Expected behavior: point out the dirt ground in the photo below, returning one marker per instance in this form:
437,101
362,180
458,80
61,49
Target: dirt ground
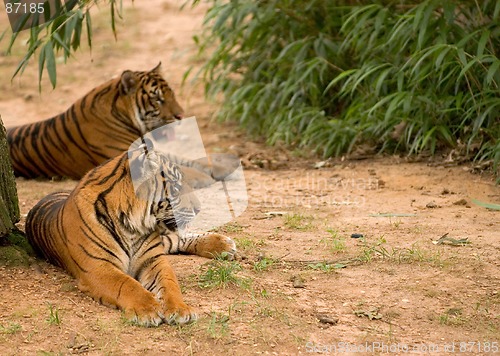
301,283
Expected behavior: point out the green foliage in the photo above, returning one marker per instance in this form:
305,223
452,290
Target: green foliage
218,326
53,318
297,221
334,242
220,273
325,74
61,35
325,267
263,264
11,329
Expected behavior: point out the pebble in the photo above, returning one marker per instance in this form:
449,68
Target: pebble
326,319
431,205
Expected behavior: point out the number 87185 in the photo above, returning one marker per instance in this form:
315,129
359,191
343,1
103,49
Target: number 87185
24,8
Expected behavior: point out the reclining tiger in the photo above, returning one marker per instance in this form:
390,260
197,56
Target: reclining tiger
99,126
113,235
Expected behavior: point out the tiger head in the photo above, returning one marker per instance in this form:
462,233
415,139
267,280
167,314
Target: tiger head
160,182
152,99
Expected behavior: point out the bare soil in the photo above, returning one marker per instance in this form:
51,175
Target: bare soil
305,285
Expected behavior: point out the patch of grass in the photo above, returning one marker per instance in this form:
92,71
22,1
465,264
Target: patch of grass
232,227
298,222
187,329
53,318
334,242
11,329
218,325
263,264
396,223
325,267
299,340
221,273
369,250
264,308
248,243
264,293
411,254
244,243
452,317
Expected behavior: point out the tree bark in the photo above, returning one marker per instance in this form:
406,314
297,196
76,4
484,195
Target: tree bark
9,204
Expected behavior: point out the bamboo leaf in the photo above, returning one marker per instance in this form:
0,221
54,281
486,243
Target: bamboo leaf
41,65
485,36
490,206
493,73
443,51
113,22
88,21
339,78
51,63
77,32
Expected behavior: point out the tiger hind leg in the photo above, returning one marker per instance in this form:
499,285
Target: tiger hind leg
209,245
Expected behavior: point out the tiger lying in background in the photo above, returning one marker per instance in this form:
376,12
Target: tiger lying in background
99,126
114,240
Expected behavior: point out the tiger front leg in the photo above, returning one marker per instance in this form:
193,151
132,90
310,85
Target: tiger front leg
112,287
158,277
209,245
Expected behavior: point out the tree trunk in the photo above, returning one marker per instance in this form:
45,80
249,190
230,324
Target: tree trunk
9,204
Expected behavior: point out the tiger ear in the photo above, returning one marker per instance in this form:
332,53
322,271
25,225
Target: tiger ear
128,82
157,69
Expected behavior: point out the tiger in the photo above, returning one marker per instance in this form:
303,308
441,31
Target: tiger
99,126
113,234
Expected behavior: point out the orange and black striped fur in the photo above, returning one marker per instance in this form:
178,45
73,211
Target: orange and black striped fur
113,235
99,126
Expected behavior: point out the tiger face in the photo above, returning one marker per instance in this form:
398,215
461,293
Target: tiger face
153,99
161,182
179,206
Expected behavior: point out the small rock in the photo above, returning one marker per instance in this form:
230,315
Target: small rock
326,319
298,281
460,202
445,191
431,205
323,164
356,236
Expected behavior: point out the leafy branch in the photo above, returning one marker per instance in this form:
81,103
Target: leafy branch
328,75
63,33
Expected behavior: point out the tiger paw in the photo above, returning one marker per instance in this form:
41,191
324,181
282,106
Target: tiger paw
217,245
180,314
148,316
